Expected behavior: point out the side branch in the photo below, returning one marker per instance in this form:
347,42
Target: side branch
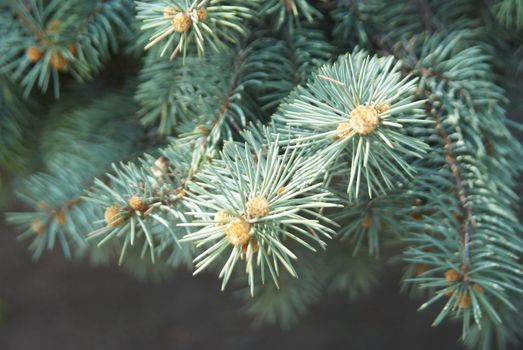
467,220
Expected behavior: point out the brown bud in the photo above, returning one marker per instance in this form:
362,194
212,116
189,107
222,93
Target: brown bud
364,120
344,129
421,268
160,167
365,224
60,217
137,203
181,22
222,217
383,107
257,207
72,49
58,61
114,216
169,11
477,288
38,226
34,54
201,14
463,301
238,232
452,276
254,245
416,216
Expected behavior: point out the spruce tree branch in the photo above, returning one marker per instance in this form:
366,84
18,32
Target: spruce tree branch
467,220
96,9
40,34
426,14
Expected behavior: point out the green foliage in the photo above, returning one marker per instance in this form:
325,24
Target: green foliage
403,147
282,64
356,21
42,39
363,224
159,97
14,118
501,337
92,134
386,24
145,202
465,229
187,26
206,97
255,199
351,274
286,303
288,11
59,214
510,13
365,129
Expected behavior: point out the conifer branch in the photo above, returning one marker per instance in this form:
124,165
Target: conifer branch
58,213
192,26
354,111
255,199
288,12
510,13
406,146
468,279
42,41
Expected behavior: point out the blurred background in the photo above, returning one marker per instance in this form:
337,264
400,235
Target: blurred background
57,304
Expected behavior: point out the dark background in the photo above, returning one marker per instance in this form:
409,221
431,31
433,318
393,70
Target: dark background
54,304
